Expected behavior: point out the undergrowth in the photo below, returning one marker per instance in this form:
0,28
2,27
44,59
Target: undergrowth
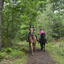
14,53
56,50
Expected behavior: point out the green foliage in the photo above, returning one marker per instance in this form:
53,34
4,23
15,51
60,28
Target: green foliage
6,42
17,16
3,50
9,50
51,22
16,53
57,29
2,55
56,50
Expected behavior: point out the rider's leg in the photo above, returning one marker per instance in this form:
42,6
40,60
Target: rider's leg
28,37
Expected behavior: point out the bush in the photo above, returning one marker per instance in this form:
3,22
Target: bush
6,42
3,50
2,55
9,50
16,54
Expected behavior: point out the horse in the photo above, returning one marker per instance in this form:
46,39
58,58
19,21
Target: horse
42,41
32,41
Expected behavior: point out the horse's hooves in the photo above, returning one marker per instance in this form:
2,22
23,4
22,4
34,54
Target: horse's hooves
32,54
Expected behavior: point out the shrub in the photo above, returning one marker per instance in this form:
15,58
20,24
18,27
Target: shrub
16,54
2,55
6,42
9,50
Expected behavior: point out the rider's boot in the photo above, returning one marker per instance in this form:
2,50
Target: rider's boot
28,38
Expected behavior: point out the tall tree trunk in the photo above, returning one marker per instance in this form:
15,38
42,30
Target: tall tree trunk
1,4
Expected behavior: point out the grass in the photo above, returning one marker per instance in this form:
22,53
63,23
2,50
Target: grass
23,60
56,51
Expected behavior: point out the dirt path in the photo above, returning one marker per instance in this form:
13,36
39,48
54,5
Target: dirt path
40,57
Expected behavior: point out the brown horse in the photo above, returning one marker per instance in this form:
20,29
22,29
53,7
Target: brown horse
32,41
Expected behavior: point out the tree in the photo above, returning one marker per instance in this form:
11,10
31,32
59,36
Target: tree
1,5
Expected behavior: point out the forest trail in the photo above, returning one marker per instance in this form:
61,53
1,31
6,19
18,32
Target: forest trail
40,57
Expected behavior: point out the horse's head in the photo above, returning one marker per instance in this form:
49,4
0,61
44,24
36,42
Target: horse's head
32,31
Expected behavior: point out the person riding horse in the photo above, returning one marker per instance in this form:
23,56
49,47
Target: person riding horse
44,35
31,26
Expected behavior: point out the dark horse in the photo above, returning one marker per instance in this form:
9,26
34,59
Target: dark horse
42,41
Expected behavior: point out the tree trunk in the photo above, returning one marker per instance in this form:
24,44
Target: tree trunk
1,4
0,29
0,21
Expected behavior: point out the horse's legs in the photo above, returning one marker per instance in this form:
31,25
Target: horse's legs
29,46
44,47
41,46
32,48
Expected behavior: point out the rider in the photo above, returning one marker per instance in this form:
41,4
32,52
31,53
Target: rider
44,35
31,26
